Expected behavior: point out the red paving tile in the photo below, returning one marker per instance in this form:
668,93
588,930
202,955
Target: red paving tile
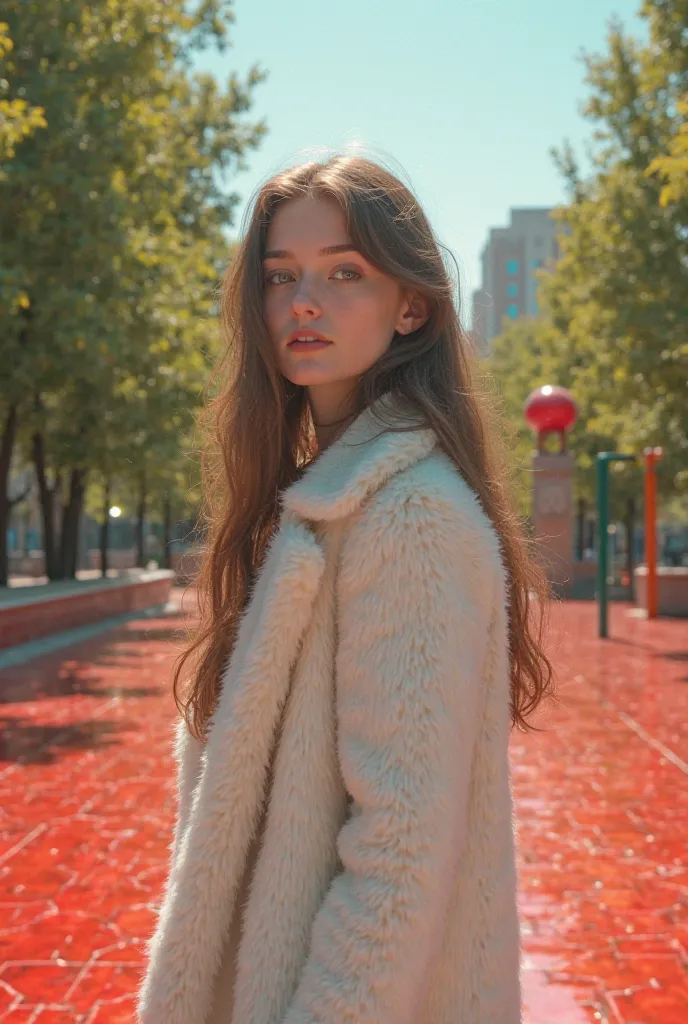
87,803
602,804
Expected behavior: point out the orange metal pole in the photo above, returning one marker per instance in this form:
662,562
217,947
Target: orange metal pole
652,456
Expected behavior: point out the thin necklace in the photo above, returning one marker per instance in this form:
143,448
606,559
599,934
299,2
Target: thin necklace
334,429
334,423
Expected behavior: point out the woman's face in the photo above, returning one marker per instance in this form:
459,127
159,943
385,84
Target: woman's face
317,287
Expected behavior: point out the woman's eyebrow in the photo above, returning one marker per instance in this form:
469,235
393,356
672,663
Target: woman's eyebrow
329,250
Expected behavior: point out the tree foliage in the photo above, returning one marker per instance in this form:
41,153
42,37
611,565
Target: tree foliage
113,222
527,355
673,167
617,297
614,325
17,118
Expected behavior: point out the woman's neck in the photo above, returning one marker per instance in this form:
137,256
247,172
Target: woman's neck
327,433
332,410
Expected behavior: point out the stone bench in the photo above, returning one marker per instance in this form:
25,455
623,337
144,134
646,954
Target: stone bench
672,589
31,612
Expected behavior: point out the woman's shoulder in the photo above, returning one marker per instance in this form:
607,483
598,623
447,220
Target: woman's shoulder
433,496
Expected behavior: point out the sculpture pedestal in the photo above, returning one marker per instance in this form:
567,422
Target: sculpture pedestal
553,515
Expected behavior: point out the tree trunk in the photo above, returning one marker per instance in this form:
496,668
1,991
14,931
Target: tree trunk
166,531
580,529
630,541
47,495
104,532
9,435
69,541
141,523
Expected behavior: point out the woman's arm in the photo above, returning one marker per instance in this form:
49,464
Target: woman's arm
415,604
187,755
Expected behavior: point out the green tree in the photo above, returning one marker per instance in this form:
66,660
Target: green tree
673,167
18,119
112,226
527,355
517,364
617,297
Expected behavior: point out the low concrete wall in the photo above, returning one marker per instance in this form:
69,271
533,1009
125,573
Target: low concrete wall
672,589
30,613
34,564
27,565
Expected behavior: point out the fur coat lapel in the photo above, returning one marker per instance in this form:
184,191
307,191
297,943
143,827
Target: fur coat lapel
224,808
222,784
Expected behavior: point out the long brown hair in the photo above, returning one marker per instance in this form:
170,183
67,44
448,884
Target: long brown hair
260,434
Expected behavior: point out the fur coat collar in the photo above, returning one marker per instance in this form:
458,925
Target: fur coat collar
364,458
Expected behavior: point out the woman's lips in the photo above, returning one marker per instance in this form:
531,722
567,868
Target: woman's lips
308,346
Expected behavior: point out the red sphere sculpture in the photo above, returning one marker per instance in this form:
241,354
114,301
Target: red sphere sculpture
550,409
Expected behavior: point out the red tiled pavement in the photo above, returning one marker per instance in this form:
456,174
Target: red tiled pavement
602,804
87,800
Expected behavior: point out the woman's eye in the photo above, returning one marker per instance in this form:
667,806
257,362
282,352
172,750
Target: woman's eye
278,277
270,279
347,270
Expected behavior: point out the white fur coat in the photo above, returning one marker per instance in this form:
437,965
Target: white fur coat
375,641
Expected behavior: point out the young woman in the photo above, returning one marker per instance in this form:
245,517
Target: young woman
344,852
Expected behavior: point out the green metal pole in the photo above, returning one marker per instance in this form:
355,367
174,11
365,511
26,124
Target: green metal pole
603,460
602,538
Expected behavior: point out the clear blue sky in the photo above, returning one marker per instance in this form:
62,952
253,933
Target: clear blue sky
466,97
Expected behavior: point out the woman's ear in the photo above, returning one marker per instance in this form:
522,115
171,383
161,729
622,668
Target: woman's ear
414,313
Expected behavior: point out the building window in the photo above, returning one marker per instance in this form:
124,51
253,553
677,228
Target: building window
534,308
512,290
512,267
535,264
538,241
512,310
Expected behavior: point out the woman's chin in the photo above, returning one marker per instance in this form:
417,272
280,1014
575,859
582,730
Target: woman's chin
309,376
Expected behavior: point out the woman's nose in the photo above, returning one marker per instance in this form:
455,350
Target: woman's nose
305,299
